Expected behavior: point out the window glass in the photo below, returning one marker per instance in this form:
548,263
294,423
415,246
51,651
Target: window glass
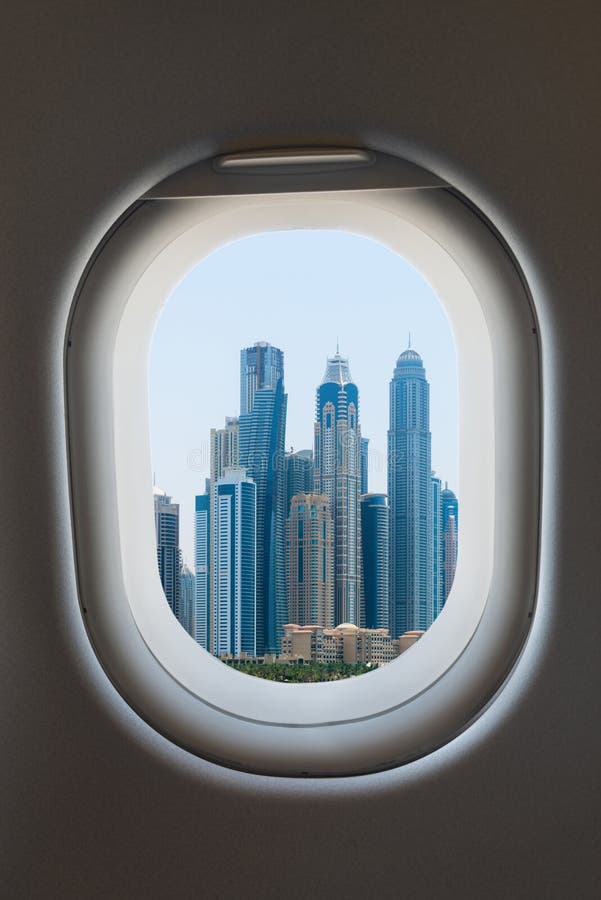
303,400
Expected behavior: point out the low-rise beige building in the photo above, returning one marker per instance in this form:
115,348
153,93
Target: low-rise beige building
346,643
408,639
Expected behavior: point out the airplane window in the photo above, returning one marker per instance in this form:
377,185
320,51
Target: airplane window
293,498
303,471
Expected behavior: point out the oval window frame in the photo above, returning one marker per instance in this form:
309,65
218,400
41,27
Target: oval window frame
437,687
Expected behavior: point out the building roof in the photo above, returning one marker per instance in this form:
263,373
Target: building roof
409,356
337,371
447,494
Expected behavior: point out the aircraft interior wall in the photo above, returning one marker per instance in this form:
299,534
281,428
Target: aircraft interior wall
102,101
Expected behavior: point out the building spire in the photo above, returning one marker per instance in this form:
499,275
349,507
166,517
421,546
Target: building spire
337,370
337,347
409,344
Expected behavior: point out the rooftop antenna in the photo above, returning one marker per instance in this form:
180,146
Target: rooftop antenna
337,347
409,347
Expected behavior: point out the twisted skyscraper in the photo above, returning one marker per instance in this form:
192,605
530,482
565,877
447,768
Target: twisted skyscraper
261,451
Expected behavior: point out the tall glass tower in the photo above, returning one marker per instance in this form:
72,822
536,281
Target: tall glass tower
234,521
364,465
338,476
410,495
202,563
224,448
437,573
261,451
224,454
299,474
261,366
310,539
166,521
375,531
450,539
188,600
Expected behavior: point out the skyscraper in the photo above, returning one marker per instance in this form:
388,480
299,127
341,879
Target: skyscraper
375,528
299,474
234,569
261,366
223,455
338,476
202,562
188,600
166,521
364,465
261,450
450,540
310,556
437,573
224,447
410,496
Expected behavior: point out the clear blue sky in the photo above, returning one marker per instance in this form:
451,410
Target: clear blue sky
299,290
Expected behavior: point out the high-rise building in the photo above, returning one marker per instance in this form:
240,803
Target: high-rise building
299,474
261,451
261,366
364,465
223,455
410,496
437,573
375,527
166,521
310,561
188,600
450,540
234,569
338,476
224,448
202,563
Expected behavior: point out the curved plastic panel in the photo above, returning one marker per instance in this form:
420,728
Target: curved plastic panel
290,171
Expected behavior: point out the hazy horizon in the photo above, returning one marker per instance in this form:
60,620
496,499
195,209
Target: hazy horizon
302,291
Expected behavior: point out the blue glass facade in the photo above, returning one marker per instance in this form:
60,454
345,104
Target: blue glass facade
261,366
166,520
187,616
375,529
299,474
450,540
364,465
261,451
234,565
410,496
437,573
202,610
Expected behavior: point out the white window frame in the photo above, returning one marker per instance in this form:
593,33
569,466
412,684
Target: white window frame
434,689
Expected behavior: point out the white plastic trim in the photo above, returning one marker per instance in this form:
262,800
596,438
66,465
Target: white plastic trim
434,689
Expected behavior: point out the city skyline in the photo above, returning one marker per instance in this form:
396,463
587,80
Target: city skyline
305,289
295,537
